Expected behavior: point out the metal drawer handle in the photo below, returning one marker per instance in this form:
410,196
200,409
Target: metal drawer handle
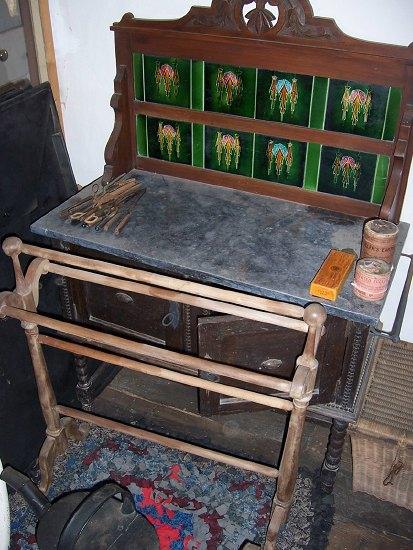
171,319
168,320
124,298
270,364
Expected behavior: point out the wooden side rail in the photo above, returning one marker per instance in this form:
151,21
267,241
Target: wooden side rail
21,304
181,297
168,442
188,287
123,345
166,374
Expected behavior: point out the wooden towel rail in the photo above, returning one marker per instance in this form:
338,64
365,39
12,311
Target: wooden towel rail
293,396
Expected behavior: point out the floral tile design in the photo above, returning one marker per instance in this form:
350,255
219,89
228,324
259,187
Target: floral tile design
284,97
279,160
230,89
302,100
228,151
347,173
169,140
362,109
167,80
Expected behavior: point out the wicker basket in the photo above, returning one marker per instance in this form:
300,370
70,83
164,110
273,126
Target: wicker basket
383,462
382,438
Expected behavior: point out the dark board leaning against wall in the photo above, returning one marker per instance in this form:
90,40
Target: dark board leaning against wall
36,176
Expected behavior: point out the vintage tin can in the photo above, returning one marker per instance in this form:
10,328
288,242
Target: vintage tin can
371,279
379,240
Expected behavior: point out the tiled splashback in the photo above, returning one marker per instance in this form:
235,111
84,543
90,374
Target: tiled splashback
314,102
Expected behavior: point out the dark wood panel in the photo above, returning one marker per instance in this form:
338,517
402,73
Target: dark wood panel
268,349
373,69
296,25
142,316
266,127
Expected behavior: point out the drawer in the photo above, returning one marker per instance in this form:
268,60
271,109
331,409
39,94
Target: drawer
144,317
268,349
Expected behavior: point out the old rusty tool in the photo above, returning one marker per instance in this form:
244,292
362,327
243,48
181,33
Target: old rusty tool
110,222
111,207
123,222
67,211
127,211
110,215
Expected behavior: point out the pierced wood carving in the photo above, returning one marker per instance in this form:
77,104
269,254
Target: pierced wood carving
295,18
220,15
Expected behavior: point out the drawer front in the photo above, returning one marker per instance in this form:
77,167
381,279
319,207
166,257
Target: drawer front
256,346
268,349
146,318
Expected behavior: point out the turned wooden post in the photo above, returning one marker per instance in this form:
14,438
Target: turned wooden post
332,458
301,391
45,390
25,297
287,476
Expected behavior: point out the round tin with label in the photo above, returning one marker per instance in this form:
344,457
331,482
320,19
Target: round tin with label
379,240
371,279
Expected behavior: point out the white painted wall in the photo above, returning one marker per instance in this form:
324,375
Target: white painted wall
86,67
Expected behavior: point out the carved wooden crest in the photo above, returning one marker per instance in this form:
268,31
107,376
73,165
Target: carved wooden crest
295,18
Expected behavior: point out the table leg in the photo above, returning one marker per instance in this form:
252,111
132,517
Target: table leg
333,454
83,387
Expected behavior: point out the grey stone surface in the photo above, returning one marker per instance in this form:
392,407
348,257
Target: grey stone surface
229,238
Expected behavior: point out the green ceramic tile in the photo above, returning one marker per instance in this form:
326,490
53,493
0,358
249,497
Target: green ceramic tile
169,140
393,113
228,151
318,108
356,108
197,85
380,179
138,75
230,89
312,165
198,145
279,160
167,80
319,102
284,97
141,136
347,173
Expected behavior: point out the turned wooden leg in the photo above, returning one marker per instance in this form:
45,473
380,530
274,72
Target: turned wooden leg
332,458
57,429
287,474
83,387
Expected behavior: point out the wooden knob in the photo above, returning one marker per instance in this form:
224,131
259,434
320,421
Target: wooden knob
12,246
315,315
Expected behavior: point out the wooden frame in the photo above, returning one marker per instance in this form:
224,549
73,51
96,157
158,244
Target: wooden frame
298,42
49,52
30,42
294,397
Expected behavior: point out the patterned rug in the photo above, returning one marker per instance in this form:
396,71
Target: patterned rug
193,503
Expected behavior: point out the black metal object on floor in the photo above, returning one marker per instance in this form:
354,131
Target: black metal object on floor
85,519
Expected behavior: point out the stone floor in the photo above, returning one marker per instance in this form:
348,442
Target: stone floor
361,522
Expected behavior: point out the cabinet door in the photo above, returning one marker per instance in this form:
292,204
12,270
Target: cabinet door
268,349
